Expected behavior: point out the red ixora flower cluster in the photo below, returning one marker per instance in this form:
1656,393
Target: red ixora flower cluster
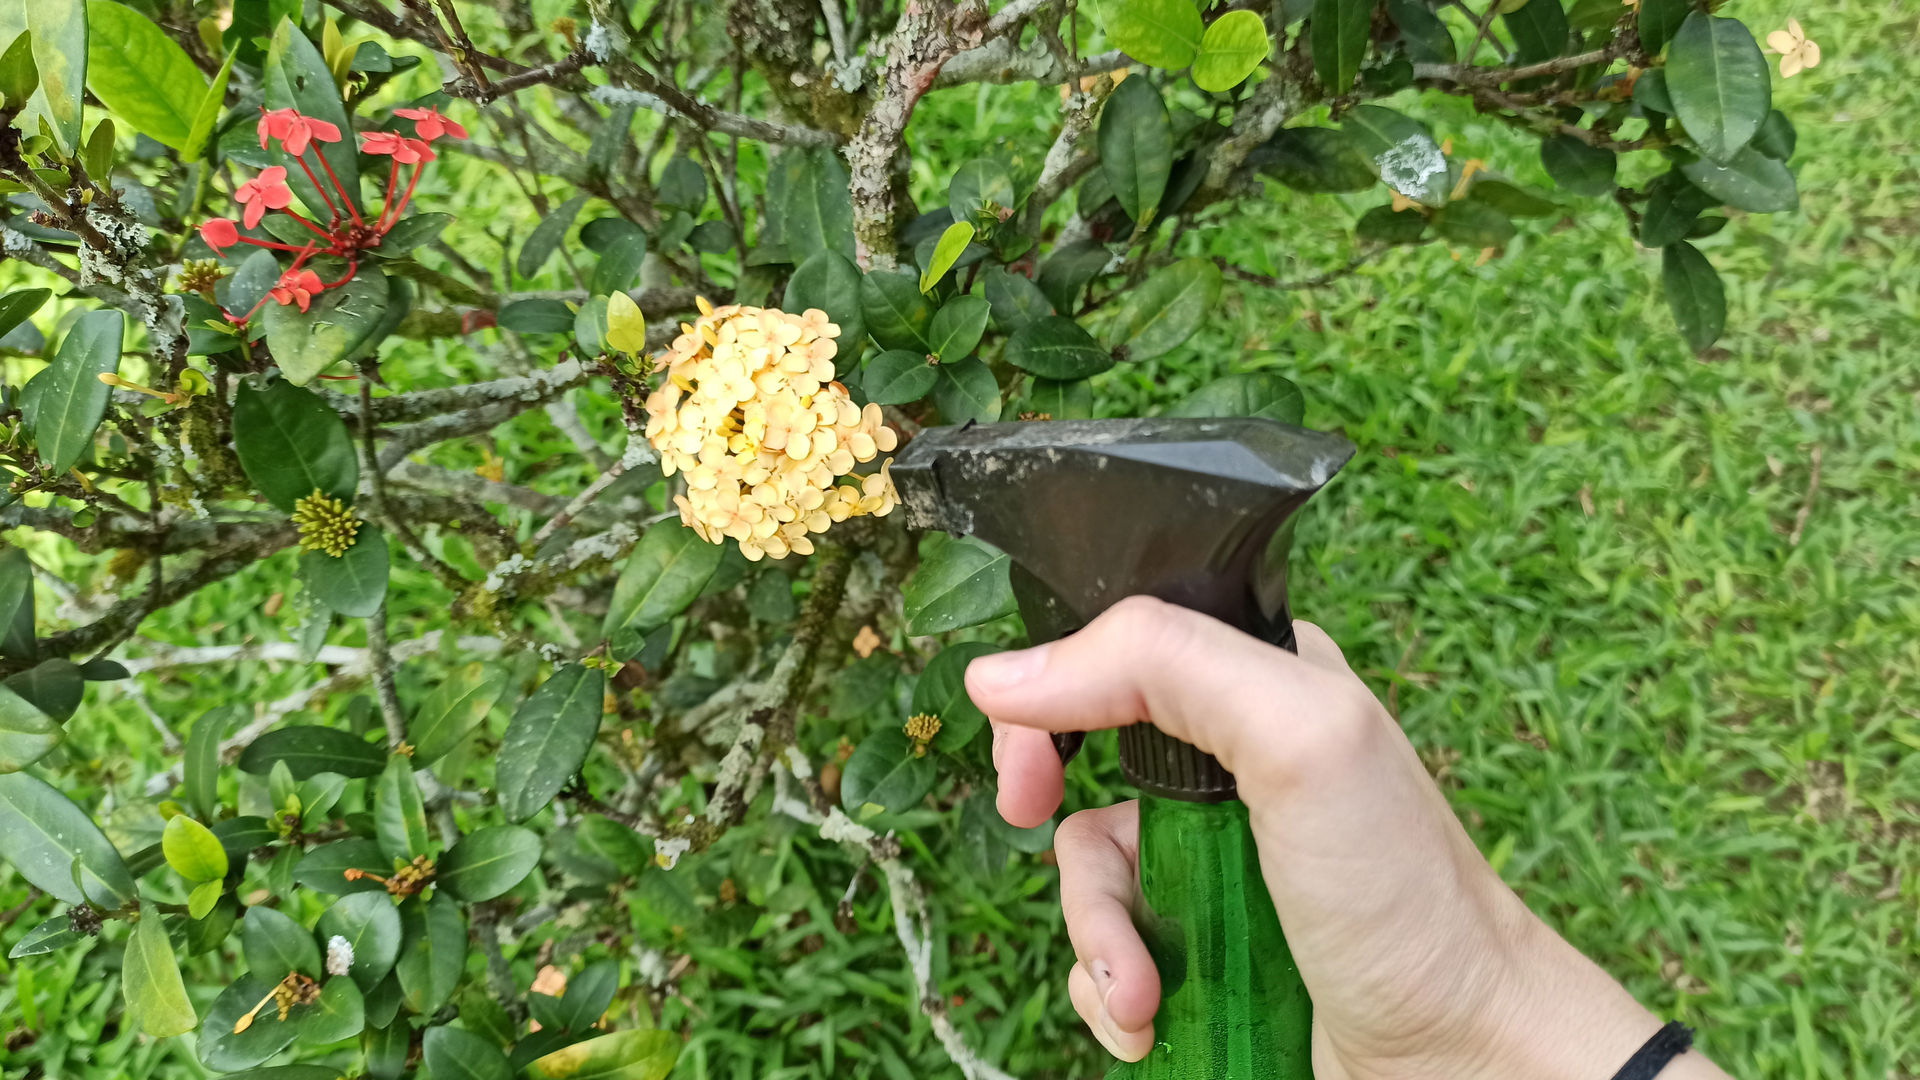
347,233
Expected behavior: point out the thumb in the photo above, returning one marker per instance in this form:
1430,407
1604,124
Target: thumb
1194,677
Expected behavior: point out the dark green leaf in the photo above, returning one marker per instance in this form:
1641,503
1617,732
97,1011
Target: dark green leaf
399,814
961,583
1252,393
201,768
1776,139
1706,226
1385,225
536,317
1719,83
454,1054
829,281
274,944
1473,224
1650,91
1694,294
26,733
588,995
411,232
223,1050
454,708
1672,206
140,74
965,391
897,313
372,928
339,1014
976,184
1013,298
957,326
355,583
619,264
665,573
16,605
1060,399
297,77
886,774
1161,312
308,749
624,1055
1426,37
942,692
43,834
601,234
1539,28
1159,33
489,862
339,322
15,307
1338,37
240,835
1659,21
547,236
1055,347
1403,152
1577,167
433,952
1234,46
1750,180
1509,198
65,403
150,978
683,184
323,869
291,443
1136,144
50,936
387,1048
548,739
818,212
898,376
1065,274
590,326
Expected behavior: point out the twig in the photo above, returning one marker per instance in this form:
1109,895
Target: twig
1484,76
1806,506
1317,281
382,662
656,95
638,453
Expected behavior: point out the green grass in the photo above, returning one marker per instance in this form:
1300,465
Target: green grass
1565,555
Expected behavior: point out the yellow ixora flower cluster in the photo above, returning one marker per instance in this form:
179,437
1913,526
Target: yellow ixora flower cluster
750,412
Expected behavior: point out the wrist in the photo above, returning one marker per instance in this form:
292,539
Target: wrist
1560,1017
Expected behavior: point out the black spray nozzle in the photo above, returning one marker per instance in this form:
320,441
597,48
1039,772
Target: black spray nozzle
1193,511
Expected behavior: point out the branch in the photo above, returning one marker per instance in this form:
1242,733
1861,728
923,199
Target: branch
1003,62
1473,75
381,656
656,95
1267,281
637,453
1064,162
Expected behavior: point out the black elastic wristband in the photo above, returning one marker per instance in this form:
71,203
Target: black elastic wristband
1668,1043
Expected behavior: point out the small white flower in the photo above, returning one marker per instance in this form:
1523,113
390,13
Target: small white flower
339,955
667,852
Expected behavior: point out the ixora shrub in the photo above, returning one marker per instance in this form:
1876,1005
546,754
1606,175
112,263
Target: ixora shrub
577,694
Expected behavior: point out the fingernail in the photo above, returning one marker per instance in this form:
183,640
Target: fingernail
1008,669
1125,1045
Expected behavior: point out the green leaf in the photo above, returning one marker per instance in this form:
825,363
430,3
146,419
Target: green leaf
962,583
1577,167
829,281
1650,91
976,184
15,307
454,708
548,739
59,37
453,1054
966,390
884,773
1065,274
1719,83
339,321
1694,294
1013,298
296,76
1402,151
818,211
1164,310
952,243
488,862
896,312
1136,144
141,75
898,376
1539,28
355,583
957,327
26,733
372,928
203,897
50,936
308,749
275,944
1659,20
623,1055
1426,37
150,977
207,113
223,1050
433,952
16,605
546,236
19,77
1253,393
201,766
289,1072
1316,160
590,326
240,835
43,834
192,850
536,317
340,1013
1509,198
323,868
942,692
291,443
1338,37
1750,180
411,232
1159,33
1776,139
1055,347
1235,45
665,573
588,995
620,264
1672,206
1060,399
1473,224
65,403
399,814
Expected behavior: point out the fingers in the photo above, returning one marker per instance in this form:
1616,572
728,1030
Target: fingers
1317,648
1115,986
1031,776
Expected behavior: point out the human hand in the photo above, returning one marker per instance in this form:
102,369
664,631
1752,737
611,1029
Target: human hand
1419,960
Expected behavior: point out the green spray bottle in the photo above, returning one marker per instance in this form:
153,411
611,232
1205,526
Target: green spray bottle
1197,512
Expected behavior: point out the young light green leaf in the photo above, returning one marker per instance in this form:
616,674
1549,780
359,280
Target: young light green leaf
1338,37
354,584
43,834
665,573
1166,309
957,327
643,1054
1694,294
488,862
1159,33
65,403
399,814
947,252
150,977
26,734
337,323
898,376
291,443
141,74
547,740
372,928
1055,347
454,708
59,38
202,898
274,945
962,583
1235,45
192,850
966,390
1719,83
1136,144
